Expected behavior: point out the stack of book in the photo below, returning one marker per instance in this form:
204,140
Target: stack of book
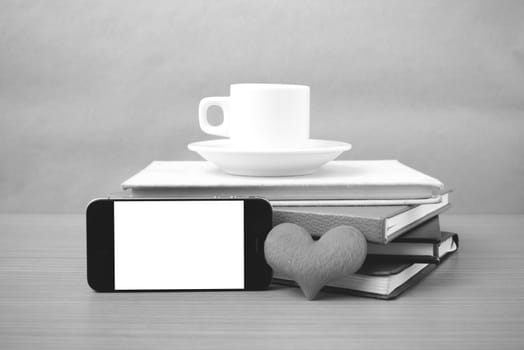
396,207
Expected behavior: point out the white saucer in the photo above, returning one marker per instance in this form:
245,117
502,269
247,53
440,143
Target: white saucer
269,162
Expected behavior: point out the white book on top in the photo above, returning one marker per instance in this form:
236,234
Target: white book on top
370,182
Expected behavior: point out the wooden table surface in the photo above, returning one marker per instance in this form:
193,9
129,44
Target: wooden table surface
473,300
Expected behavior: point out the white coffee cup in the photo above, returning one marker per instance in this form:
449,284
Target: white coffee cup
261,115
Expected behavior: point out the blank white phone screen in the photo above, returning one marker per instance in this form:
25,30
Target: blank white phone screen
179,245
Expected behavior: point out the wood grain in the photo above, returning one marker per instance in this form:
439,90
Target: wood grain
473,300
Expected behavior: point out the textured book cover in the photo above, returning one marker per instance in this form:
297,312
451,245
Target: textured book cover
380,224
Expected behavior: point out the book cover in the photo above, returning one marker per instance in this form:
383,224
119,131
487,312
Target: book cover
377,279
418,252
380,224
343,180
275,202
424,244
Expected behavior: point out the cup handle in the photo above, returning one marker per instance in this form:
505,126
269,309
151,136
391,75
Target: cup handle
221,129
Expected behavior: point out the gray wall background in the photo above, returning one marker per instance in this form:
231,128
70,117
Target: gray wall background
92,91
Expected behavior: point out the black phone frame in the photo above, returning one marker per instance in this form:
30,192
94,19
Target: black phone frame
101,246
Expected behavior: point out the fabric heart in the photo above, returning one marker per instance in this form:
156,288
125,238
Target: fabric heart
291,251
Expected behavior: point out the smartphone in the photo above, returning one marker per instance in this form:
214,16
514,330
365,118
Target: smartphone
177,244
